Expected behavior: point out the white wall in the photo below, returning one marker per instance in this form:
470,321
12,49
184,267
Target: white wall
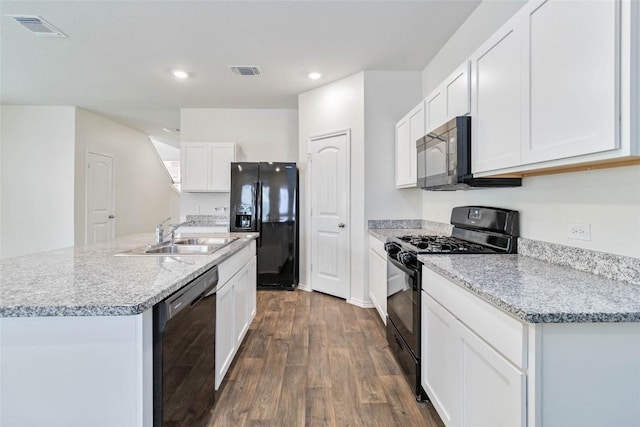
388,96
142,185
260,135
336,106
369,104
37,178
608,199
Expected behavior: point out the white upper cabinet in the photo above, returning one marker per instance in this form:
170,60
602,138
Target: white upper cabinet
206,166
496,111
450,99
572,76
436,109
556,86
409,129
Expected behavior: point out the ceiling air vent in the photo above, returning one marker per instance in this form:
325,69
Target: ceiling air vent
37,25
246,70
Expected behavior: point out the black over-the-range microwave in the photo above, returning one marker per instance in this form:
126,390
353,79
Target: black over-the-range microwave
444,159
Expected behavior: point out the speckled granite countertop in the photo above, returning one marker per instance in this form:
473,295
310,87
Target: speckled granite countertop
550,289
540,292
90,281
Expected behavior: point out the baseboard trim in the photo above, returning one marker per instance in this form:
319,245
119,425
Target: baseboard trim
360,303
304,288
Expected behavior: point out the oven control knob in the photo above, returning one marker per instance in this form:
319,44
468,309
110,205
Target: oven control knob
407,258
391,249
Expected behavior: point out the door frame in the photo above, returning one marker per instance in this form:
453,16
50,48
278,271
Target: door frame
86,192
308,200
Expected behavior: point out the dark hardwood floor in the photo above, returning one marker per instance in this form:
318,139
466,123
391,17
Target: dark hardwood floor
310,359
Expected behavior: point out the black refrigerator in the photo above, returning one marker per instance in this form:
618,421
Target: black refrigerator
264,198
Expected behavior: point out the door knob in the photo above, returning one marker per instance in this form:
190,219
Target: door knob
341,224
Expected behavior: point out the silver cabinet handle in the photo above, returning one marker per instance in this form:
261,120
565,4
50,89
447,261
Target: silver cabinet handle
341,224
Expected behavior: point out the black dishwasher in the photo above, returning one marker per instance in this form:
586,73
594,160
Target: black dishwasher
184,332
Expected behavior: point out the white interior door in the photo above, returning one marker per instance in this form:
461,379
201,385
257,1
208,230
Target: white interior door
100,198
330,213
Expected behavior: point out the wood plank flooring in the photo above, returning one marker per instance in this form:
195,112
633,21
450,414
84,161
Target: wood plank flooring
310,359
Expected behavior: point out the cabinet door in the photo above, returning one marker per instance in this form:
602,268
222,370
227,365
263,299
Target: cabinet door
493,390
241,304
195,167
221,155
435,106
457,90
496,106
409,129
441,373
572,79
225,336
378,283
252,286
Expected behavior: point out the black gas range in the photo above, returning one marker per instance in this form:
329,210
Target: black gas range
476,230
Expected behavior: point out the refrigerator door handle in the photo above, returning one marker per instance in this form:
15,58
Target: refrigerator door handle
259,211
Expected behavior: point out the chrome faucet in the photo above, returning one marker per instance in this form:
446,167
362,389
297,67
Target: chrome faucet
160,238
160,232
174,227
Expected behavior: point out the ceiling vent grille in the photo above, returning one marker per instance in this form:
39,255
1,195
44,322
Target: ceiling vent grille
37,25
246,70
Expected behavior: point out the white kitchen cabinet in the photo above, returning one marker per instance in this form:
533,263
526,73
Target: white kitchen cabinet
241,305
483,367
235,306
467,375
492,389
441,366
571,74
496,107
206,166
225,336
556,87
450,99
378,276
408,130
252,283
435,106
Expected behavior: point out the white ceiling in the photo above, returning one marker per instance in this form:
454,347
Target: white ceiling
118,55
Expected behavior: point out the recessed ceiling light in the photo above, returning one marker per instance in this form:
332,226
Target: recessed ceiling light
179,74
314,76
170,130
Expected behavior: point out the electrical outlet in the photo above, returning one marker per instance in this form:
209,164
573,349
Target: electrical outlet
579,231
194,210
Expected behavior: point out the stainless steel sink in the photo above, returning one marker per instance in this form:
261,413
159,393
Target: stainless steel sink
181,250
207,241
168,250
183,246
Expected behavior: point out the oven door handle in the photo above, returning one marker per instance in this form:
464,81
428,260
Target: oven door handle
411,272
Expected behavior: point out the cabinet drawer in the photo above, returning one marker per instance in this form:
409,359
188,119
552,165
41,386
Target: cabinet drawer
377,246
500,330
231,266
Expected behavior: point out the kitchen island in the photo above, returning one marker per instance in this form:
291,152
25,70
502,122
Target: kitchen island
76,330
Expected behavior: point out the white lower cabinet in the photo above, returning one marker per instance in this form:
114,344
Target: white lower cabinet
441,368
378,276
225,339
235,306
493,390
483,367
472,363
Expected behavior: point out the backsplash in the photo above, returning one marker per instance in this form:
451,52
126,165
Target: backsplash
209,220
395,223
616,267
